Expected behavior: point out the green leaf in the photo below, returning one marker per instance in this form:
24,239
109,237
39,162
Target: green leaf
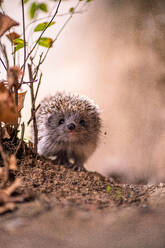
108,189
88,1
18,46
42,26
118,194
71,10
43,7
18,41
45,42
33,9
25,1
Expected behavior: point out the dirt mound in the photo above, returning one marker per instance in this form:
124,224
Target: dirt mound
63,185
86,189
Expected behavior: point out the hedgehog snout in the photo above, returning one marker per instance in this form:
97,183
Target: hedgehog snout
71,126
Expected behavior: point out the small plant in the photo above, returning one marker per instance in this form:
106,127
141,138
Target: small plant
118,194
108,189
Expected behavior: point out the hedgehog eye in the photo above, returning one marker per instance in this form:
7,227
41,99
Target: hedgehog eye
61,121
82,122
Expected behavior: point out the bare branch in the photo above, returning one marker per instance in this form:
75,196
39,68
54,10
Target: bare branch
24,37
3,49
21,140
30,82
24,82
48,16
3,64
33,110
35,113
39,83
38,66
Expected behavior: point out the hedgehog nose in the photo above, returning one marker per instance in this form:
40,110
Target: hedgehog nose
71,126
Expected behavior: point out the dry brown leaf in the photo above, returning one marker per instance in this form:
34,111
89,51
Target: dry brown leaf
1,171
13,75
6,23
21,98
20,198
12,36
3,197
9,190
10,206
5,134
8,108
13,163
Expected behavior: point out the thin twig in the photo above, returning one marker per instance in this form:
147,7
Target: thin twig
45,17
42,33
39,83
24,82
35,113
21,140
13,53
24,38
33,110
3,64
3,49
38,66
6,57
16,94
30,82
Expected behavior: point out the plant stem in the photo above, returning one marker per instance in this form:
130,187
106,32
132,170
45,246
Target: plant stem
24,38
3,49
21,140
39,82
33,110
3,64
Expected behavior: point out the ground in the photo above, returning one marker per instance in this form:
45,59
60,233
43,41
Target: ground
55,206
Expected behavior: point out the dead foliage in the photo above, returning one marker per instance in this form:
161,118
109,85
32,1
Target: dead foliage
12,36
8,109
7,200
13,77
6,23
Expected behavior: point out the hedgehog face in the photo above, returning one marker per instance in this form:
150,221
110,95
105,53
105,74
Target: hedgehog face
73,127
66,121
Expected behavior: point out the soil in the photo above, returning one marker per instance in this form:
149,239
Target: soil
62,185
55,190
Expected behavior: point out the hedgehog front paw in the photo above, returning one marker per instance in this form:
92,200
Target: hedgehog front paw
79,167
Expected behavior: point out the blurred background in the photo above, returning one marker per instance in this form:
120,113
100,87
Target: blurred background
113,52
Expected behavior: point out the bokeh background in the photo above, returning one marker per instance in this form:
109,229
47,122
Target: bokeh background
114,52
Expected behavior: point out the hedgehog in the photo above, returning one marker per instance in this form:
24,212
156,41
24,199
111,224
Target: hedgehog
69,128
